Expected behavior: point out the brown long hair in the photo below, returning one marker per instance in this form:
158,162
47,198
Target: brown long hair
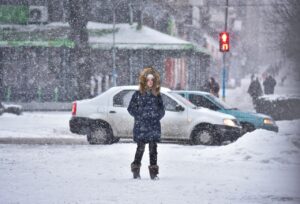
143,80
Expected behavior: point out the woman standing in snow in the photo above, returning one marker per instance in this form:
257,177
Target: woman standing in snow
146,106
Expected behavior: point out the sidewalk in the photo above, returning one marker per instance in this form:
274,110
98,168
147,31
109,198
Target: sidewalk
43,106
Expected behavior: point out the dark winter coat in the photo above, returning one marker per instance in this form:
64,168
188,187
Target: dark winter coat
269,85
206,87
255,89
147,110
214,89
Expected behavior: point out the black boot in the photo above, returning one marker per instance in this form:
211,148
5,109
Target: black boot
135,169
153,170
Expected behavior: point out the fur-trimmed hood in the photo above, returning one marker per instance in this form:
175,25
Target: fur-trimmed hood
143,81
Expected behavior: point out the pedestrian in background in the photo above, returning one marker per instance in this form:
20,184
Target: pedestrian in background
147,108
255,90
214,87
269,85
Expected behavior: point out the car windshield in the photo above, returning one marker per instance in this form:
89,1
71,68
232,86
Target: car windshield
183,100
219,102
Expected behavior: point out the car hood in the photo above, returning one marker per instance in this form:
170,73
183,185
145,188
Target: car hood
212,113
244,114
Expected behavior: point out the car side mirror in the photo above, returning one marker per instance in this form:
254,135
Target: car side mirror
179,108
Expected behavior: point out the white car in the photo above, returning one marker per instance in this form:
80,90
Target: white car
105,119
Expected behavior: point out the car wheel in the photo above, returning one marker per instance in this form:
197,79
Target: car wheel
203,136
100,135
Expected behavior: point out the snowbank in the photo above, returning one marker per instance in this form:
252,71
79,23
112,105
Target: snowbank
280,107
276,97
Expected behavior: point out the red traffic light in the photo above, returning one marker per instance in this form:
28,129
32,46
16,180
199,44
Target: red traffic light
224,41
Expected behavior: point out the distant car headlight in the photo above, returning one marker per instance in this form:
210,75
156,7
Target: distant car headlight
268,121
230,122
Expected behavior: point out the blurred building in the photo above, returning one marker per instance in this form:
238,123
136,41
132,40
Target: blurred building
196,21
35,52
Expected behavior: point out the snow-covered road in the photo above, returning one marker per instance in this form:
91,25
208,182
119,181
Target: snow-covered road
260,167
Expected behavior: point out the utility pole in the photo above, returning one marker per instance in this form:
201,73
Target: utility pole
115,5
114,47
224,56
80,54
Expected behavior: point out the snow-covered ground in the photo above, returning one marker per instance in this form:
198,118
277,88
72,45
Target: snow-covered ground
260,167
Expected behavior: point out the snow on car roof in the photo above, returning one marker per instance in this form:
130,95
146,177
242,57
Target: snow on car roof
135,87
196,92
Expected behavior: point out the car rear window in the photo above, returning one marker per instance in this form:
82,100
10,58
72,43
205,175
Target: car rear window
122,99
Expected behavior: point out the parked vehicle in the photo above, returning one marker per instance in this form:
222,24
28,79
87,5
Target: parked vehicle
14,109
104,119
249,121
1,109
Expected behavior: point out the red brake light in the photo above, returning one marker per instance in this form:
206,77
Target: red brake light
74,108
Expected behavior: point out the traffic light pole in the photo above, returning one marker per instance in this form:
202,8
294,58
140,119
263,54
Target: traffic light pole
224,57
224,77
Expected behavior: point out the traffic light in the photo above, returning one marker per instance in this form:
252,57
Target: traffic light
224,41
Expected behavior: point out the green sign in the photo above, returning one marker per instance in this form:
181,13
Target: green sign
38,43
16,14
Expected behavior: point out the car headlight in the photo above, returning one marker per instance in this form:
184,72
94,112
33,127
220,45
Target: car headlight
230,122
268,121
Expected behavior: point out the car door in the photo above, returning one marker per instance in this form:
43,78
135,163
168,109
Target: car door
174,123
118,116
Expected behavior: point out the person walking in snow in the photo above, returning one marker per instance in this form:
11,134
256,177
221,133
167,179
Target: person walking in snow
211,86
214,87
269,85
255,90
147,108
206,86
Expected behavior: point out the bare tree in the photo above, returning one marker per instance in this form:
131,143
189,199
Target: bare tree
80,60
285,19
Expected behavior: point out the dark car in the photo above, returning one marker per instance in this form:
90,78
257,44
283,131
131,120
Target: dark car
14,109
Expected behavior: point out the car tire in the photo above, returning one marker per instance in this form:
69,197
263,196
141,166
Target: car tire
204,135
98,136
101,134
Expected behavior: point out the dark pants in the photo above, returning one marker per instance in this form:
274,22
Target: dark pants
140,151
